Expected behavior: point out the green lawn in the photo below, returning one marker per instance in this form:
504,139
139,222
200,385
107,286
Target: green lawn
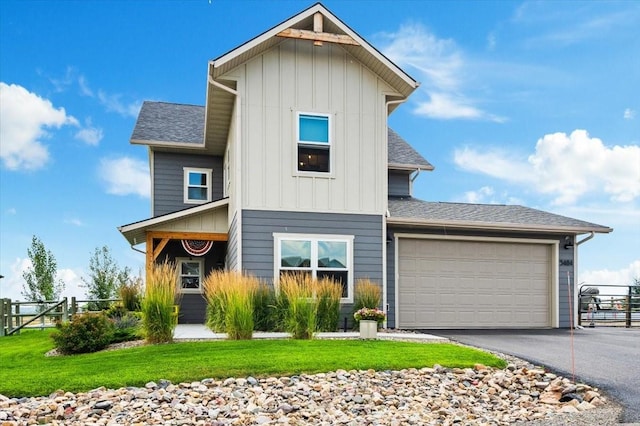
25,371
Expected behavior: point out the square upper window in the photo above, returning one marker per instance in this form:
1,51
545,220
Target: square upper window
197,185
314,143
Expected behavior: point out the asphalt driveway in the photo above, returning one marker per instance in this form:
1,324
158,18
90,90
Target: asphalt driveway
606,357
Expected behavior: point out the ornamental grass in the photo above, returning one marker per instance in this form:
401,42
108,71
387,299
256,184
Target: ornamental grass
328,294
161,294
230,303
368,294
302,307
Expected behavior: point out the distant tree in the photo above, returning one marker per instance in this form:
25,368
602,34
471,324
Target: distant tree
40,278
105,277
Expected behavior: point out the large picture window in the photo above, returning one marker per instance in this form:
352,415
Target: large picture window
197,185
314,143
318,255
190,271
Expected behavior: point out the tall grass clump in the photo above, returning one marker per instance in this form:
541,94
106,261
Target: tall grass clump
130,293
265,315
161,294
328,294
302,307
230,303
367,294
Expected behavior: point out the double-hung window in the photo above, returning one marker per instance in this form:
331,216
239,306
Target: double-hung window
190,271
314,142
197,185
321,256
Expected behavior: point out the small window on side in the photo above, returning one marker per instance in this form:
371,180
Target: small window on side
314,143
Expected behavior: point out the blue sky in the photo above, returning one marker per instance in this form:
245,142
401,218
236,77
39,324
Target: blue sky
532,103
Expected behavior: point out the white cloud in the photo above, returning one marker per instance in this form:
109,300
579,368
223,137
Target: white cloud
488,195
447,107
74,221
24,117
564,166
12,284
622,277
441,66
479,196
629,114
113,103
125,176
12,211
89,134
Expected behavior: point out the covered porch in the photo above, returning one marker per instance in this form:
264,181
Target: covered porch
195,239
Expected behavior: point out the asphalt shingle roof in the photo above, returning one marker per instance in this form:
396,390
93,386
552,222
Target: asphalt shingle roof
498,215
401,153
168,122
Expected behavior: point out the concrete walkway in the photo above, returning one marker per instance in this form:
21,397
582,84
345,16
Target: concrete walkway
201,332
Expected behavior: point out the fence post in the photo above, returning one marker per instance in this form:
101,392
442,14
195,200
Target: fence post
628,324
3,318
18,318
65,310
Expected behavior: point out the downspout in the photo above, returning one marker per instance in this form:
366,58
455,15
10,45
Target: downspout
138,250
413,178
586,238
385,302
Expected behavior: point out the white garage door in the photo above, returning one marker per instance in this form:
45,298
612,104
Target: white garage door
473,284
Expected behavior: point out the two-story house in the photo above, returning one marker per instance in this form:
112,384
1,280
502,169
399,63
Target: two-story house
290,166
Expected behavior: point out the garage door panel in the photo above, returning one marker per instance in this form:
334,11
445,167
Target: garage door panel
465,284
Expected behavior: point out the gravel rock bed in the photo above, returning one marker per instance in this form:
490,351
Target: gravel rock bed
520,393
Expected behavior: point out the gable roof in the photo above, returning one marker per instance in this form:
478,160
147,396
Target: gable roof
415,212
163,123
361,50
221,92
136,232
179,126
402,156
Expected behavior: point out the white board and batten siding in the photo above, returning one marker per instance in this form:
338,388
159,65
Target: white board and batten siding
475,282
294,77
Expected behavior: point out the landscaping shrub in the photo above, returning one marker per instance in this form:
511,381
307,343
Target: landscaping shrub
230,303
126,328
328,294
302,307
161,294
88,332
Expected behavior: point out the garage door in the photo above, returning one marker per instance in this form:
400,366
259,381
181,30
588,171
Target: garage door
473,284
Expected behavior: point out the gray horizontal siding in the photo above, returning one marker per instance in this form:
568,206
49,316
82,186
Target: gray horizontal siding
563,270
259,226
168,179
399,184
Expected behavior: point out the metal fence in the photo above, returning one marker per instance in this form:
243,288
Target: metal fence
609,305
41,314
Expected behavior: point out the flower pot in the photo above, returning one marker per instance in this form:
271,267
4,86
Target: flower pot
368,329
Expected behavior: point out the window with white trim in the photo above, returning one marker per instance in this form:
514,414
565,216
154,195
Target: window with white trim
190,272
197,185
314,142
318,255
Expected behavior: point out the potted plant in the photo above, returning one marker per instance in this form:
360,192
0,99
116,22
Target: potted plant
368,319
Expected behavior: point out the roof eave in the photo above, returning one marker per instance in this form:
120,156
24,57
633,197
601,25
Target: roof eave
182,145
130,231
496,226
410,167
